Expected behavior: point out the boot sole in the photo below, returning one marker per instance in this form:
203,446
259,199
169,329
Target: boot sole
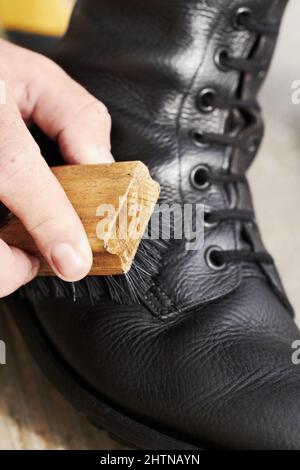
71,386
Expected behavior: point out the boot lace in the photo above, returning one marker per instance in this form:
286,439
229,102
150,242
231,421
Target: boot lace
208,101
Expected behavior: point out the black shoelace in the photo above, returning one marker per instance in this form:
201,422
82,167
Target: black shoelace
209,101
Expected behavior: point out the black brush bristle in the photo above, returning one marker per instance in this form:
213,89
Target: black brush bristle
124,289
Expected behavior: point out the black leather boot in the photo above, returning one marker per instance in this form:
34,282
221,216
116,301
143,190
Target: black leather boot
201,357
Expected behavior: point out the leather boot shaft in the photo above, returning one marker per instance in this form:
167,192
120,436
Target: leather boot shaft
149,62
180,80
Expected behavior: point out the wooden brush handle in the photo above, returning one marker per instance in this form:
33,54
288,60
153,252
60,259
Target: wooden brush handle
127,187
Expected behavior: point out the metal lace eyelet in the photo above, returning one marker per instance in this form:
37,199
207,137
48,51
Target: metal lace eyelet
207,215
240,13
262,74
214,258
198,138
205,100
220,57
200,177
253,145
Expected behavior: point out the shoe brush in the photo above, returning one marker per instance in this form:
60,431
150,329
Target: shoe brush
114,202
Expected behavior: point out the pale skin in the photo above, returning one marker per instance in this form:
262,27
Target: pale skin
39,91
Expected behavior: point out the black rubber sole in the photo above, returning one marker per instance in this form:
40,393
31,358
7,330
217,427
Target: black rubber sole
101,414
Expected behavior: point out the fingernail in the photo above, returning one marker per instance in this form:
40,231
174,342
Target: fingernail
71,264
99,155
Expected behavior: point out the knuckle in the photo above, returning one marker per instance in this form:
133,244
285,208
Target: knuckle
15,160
101,111
42,66
45,225
50,227
44,62
38,62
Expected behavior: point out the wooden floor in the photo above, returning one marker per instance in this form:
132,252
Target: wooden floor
32,414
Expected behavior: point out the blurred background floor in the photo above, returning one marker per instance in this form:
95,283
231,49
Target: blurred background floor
32,414
275,175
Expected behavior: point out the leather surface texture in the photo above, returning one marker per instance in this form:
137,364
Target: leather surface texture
206,354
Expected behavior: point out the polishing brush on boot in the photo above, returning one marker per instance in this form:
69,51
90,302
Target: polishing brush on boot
114,202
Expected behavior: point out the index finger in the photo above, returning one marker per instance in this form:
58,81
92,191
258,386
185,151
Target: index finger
30,190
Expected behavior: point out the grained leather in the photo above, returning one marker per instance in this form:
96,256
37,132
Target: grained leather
147,62
220,376
207,356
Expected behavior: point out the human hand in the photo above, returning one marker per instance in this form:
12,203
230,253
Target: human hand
38,90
